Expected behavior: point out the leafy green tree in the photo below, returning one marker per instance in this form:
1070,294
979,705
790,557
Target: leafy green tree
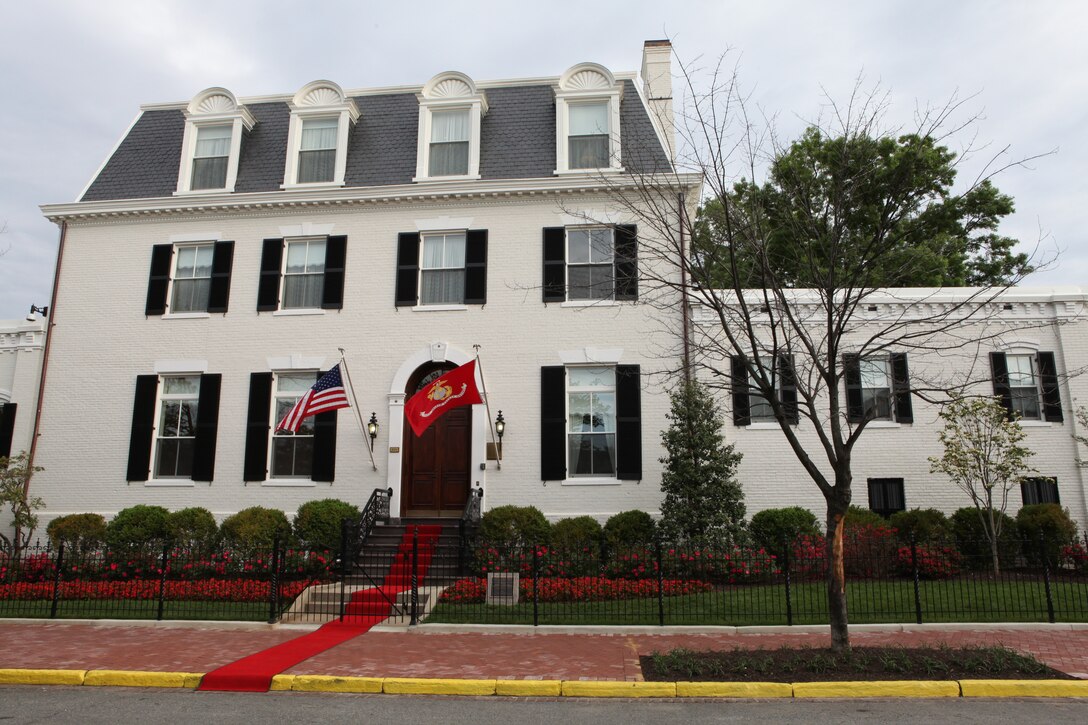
983,457
15,472
703,502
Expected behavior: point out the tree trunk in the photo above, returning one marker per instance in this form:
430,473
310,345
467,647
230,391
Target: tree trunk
836,576
993,544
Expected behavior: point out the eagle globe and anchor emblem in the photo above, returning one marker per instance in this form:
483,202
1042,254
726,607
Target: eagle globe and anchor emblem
441,394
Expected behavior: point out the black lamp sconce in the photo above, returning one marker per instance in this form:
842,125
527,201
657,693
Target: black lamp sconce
500,425
372,427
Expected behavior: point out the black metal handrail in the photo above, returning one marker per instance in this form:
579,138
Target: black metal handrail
376,509
470,518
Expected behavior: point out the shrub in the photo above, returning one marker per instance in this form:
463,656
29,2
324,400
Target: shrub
577,534
515,526
82,531
255,527
771,528
318,523
1050,522
857,516
934,561
972,542
192,527
137,525
629,528
927,525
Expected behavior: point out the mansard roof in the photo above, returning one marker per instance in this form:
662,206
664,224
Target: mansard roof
517,141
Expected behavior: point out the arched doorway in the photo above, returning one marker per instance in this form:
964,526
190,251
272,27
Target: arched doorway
436,470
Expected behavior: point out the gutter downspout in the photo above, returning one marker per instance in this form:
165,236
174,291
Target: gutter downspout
684,310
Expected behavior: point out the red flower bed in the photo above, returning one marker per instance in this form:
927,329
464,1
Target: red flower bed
580,589
202,590
934,562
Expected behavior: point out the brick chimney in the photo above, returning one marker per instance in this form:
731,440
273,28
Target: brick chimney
657,87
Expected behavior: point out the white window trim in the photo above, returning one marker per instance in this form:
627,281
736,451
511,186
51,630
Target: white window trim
285,481
890,418
590,480
450,91
281,311
173,276
157,421
212,107
587,83
319,99
1033,354
567,264
419,275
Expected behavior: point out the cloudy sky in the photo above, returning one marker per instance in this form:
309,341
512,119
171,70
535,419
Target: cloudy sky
74,74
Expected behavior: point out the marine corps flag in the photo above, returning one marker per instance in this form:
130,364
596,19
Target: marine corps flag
455,388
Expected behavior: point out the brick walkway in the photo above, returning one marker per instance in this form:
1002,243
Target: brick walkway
423,653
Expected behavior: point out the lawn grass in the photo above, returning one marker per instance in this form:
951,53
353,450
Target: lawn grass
138,609
869,602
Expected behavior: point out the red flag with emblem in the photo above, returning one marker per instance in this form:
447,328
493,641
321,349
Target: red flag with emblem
449,391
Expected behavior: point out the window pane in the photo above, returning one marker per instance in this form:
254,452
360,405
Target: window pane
204,254
588,119
303,291
432,252
1025,401
580,412
181,385
210,173
283,457
874,373
449,126
455,250
316,166
187,418
577,246
212,141
319,134
1021,370
592,454
443,287
191,295
876,402
603,377
294,383
168,420
315,257
588,152
600,245
449,159
587,282
166,463
604,454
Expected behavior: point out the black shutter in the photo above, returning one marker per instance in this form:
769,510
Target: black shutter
628,423
1048,376
268,291
742,410
324,464
158,281
222,261
336,250
999,368
257,425
476,267
407,269
625,264
7,428
904,410
555,264
553,423
788,387
207,427
855,409
143,428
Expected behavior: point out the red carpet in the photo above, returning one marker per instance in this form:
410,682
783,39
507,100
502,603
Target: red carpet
366,608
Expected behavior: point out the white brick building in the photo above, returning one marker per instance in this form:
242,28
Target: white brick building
21,345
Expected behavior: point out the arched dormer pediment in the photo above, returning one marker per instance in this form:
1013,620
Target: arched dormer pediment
587,77
322,94
212,142
449,84
450,110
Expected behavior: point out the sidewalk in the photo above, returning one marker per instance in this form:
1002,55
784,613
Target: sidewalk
598,653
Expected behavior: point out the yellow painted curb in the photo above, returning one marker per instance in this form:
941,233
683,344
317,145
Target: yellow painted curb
42,677
604,688
329,683
890,688
1024,688
528,688
281,683
734,689
133,678
414,686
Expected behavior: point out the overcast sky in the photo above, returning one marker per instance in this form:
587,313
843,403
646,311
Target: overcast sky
74,74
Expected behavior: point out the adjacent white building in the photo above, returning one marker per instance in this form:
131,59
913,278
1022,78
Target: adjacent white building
21,347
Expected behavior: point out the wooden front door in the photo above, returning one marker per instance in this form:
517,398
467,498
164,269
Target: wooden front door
436,465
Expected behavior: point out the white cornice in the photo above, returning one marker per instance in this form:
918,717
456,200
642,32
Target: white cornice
430,191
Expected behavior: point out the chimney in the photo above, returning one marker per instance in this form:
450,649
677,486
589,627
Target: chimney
657,87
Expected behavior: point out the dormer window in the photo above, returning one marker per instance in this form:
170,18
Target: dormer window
450,111
317,138
587,120
212,142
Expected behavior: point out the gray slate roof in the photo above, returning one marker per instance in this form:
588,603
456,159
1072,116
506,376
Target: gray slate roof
517,141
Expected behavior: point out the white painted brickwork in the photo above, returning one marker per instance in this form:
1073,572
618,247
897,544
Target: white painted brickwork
21,344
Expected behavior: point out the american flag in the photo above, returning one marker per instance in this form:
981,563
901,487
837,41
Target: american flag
326,394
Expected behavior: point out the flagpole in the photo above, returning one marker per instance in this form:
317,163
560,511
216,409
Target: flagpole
358,411
487,406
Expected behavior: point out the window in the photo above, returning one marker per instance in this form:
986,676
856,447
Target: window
212,142
760,408
749,404
449,143
878,388
1039,490
292,453
189,278
1026,383
886,496
591,416
317,150
175,437
590,264
304,274
587,135
192,280
7,427
442,272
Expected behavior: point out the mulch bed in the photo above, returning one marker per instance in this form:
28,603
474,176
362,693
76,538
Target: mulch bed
790,664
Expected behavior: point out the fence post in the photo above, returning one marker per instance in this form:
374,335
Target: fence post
162,580
914,571
345,547
415,577
536,583
1046,578
56,580
274,584
789,593
660,583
